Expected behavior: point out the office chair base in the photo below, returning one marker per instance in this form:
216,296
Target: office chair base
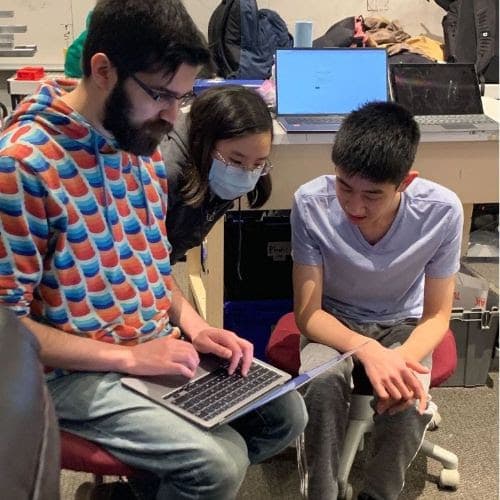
449,477
360,423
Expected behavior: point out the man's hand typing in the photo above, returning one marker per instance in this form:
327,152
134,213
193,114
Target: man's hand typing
227,345
163,356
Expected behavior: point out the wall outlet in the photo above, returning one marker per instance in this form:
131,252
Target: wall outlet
377,5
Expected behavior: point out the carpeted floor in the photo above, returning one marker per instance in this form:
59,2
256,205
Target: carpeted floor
469,429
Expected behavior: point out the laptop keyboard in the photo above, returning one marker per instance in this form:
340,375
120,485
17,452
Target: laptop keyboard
440,119
214,393
311,120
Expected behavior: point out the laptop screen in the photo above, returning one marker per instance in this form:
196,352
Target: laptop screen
329,81
437,89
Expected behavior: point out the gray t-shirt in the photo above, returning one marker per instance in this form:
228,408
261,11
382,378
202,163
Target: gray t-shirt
384,282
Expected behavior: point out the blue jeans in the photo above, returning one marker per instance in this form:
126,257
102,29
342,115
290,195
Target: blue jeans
188,462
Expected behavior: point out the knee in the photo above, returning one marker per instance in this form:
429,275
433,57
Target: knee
294,414
220,473
284,419
334,383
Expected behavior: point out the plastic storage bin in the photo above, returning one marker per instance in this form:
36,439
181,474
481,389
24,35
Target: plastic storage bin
475,332
254,320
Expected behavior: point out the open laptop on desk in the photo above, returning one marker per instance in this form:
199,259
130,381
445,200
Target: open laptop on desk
443,97
317,88
213,397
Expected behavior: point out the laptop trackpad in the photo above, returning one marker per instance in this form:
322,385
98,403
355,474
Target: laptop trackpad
458,126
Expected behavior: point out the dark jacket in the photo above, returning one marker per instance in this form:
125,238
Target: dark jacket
187,226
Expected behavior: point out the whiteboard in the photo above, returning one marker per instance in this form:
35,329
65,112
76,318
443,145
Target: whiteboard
51,26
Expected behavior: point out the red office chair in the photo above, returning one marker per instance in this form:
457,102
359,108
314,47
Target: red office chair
283,350
80,455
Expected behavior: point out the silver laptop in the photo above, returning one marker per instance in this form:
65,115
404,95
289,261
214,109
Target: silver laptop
213,397
443,97
317,88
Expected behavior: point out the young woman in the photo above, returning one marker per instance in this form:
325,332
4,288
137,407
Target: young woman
216,154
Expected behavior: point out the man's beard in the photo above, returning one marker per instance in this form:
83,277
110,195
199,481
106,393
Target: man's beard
139,140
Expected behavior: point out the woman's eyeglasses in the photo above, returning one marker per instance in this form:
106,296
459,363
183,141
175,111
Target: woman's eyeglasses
264,168
164,96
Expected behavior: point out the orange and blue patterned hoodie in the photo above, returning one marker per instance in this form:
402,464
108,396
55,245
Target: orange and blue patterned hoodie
83,243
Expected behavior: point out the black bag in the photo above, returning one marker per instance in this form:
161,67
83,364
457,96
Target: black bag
257,255
243,39
471,35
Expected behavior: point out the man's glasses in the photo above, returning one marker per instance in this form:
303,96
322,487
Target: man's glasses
264,168
164,96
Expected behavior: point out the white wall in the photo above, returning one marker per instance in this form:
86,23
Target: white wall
417,16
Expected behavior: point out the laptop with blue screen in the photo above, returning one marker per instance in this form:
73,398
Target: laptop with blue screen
317,88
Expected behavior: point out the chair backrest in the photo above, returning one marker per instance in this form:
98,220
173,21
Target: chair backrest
283,350
29,435
444,359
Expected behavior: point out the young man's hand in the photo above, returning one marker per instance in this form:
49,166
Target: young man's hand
393,378
227,345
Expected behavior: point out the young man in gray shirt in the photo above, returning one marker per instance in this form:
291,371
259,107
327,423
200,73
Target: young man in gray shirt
375,251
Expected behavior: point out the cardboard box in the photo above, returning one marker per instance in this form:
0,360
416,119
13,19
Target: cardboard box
471,292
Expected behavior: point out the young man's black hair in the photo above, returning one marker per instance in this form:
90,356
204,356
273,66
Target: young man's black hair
144,35
378,142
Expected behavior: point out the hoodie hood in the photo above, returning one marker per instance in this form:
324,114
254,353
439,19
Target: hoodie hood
47,109
71,131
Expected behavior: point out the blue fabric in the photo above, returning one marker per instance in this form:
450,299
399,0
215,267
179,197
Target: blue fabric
382,282
230,182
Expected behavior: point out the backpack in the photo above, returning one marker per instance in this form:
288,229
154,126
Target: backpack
243,39
349,32
471,35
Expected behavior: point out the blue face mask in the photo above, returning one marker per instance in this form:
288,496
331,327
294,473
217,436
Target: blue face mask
229,182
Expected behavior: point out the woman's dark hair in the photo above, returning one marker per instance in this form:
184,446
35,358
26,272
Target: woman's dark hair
144,35
223,113
378,142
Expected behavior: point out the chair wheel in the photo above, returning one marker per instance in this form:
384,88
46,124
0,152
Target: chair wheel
449,478
85,491
347,494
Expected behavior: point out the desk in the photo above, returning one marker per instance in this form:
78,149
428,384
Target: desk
467,164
